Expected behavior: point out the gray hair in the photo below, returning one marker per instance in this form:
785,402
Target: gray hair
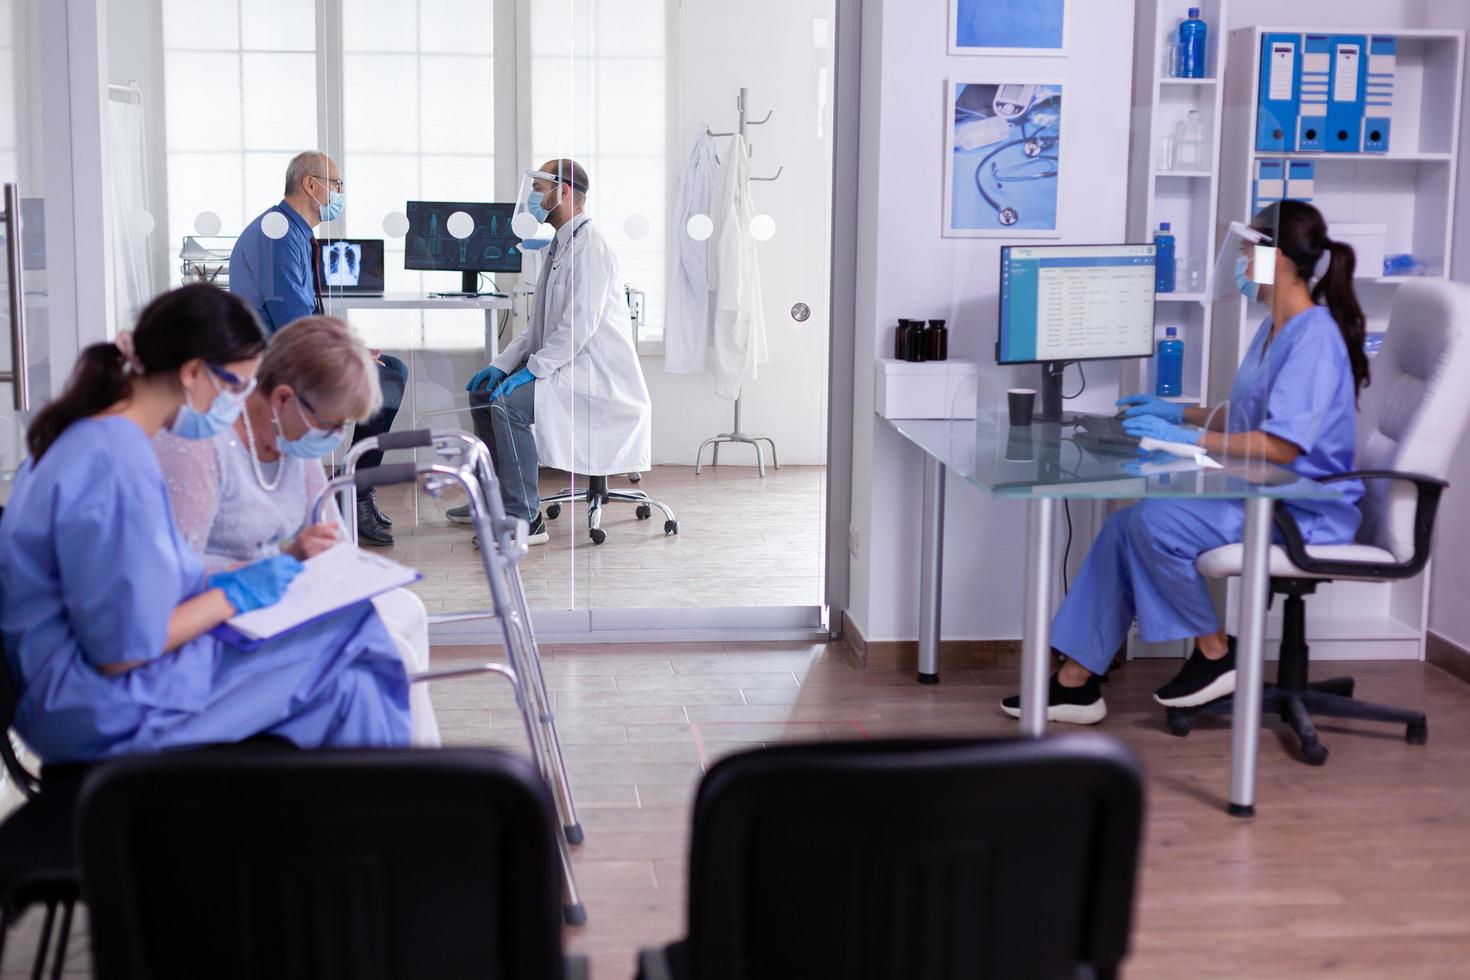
322,358
310,163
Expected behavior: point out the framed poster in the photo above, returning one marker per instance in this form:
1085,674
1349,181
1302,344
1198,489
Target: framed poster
1008,27
1003,159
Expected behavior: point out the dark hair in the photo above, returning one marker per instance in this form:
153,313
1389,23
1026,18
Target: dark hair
1301,233
198,320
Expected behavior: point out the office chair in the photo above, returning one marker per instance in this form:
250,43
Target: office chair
911,860
369,865
596,494
1410,419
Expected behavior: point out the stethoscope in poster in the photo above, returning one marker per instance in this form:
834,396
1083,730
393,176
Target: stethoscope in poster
1004,159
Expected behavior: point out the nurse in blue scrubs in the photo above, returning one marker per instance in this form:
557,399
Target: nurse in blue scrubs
1293,403
104,608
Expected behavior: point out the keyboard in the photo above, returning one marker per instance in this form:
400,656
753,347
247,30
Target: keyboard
1107,432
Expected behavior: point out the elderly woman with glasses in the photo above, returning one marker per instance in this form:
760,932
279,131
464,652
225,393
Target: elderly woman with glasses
244,494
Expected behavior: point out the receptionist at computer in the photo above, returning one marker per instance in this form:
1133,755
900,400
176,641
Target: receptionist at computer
1293,403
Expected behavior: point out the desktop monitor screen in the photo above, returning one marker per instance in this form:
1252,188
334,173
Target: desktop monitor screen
1075,302
491,247
352,267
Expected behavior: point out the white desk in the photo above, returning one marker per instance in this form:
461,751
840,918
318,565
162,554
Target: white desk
335,303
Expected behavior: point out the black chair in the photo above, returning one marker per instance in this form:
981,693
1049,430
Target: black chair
911,860
366,865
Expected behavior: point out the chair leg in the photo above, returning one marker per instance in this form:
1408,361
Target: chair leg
58,962
1336,706
38,965
1341,686
1296,715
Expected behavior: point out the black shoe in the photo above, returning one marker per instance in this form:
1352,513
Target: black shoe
1200,681
369,531
383,519
1073,705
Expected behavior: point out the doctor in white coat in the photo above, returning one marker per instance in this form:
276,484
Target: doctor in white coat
568,392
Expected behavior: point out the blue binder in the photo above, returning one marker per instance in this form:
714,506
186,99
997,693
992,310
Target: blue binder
1378,93
1281,75
1301,180
1269,185
1348,86
1311,127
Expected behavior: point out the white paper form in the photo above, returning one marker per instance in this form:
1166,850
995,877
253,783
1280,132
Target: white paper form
333,580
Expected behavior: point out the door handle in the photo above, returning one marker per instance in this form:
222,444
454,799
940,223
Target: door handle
15,292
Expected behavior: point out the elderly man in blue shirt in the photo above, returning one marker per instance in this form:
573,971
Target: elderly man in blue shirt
276,268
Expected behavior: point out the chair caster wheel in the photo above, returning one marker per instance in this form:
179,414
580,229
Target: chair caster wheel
1314,754
1417,734
635,477
1179,724
671,527
553,512
598,535
644,512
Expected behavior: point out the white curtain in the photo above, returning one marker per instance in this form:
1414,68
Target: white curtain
132,220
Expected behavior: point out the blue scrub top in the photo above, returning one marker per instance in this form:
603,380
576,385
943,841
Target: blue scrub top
1300,389
275,276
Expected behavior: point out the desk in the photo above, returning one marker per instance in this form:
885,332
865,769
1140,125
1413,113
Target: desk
1041,464
335,303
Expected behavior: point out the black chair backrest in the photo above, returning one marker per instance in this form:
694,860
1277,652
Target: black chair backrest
24,779
915,860
331,865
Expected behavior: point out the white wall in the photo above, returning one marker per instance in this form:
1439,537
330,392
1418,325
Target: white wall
906,269
766,46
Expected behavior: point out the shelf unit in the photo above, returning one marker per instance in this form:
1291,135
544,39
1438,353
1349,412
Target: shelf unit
1185,199
1411,190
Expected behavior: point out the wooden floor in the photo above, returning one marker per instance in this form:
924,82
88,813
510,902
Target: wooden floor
742,541
1359,869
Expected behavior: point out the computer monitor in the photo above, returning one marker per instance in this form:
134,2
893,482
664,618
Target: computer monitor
352,267
1065,303
490,247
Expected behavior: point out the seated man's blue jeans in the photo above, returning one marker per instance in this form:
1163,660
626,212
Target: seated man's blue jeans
505,427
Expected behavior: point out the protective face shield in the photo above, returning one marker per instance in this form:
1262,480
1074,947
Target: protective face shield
529,220
1246,262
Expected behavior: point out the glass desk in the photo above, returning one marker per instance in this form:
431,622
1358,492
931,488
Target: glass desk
1043,463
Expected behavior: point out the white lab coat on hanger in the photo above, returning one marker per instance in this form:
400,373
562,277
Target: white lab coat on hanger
735,278
689,320
593,413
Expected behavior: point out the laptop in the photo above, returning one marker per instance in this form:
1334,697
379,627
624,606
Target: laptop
352,267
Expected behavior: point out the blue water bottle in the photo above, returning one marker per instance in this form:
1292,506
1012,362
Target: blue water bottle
1170,364
1193,35
1164,270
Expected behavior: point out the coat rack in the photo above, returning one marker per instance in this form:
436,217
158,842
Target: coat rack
736,435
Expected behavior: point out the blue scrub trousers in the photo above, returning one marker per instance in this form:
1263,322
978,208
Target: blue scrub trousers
1142,565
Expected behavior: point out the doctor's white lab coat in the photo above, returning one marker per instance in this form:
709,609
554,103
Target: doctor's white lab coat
735,278
689,320
592,407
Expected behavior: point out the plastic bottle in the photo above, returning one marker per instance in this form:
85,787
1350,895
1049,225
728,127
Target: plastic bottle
1164,246
937,341
1170,364
1193,44
1190,141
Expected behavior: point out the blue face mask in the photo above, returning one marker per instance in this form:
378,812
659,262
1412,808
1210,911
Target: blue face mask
332,210
534,202
314,444
190,423
1250,290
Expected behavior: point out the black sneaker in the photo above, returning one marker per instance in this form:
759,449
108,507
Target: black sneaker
1200,681
1073,705
369,531
535,534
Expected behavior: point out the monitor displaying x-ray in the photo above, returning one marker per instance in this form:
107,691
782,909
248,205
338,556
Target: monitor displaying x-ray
490,246
352,266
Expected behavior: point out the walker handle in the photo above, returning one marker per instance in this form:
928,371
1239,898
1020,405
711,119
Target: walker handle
387,475
411,439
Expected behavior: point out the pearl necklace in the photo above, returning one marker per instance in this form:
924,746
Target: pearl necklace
268,486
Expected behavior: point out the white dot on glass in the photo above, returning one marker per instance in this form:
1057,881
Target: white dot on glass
140,224
206,224
762,227
636,226
700,227
525,225
395,224
274,225
460,225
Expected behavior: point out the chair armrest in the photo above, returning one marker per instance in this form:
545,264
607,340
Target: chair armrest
1425,506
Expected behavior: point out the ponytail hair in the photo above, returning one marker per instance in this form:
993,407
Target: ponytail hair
195,321
1300,232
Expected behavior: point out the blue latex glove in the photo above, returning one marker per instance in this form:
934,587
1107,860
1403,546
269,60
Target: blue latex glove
1153,427
1151,405
487,377
521,377
258,585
